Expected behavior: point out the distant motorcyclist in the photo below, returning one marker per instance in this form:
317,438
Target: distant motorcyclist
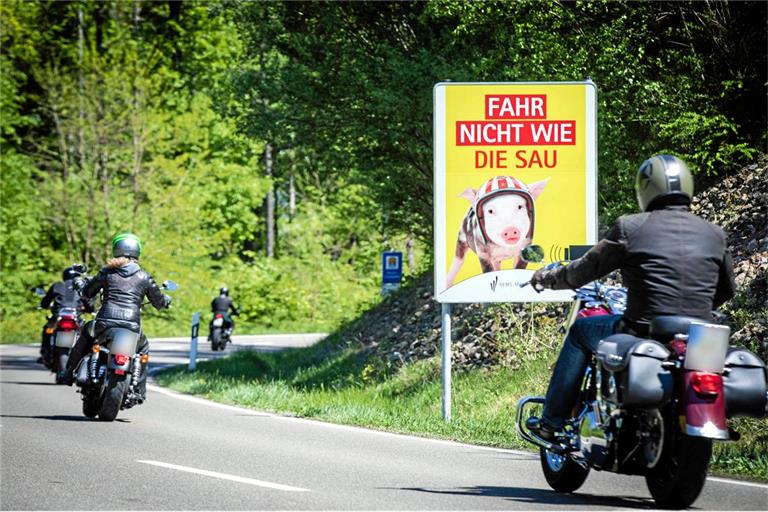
123,286
222,305
672,263
61,294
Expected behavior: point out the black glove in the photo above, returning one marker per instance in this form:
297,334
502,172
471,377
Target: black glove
543,278
79,283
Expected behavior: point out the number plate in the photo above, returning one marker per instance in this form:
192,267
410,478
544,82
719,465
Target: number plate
218,322
707,345
65,339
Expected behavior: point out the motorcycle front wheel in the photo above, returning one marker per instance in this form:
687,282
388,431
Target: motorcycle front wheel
91,406
113,398
679,476
561,472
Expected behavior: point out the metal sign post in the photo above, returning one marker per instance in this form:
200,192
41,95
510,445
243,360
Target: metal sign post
446,357
193,343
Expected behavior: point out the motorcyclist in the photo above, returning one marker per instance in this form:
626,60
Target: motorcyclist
223,304
123,286
61,294
671,261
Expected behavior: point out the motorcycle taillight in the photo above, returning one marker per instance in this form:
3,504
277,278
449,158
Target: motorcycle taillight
121,359
219,315
706,384
67,323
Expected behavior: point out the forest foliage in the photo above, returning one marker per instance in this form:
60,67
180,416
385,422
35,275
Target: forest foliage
278,148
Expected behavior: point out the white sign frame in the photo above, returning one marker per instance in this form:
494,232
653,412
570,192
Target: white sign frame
504,285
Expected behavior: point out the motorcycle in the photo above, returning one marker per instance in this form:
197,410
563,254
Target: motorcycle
651,406
108,378
220,334
61,333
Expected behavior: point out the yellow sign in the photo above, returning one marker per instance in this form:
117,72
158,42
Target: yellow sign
515,165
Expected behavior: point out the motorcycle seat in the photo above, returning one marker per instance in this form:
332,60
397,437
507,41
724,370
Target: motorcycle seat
614,351
664,328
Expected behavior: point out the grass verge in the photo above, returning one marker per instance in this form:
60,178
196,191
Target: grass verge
342,385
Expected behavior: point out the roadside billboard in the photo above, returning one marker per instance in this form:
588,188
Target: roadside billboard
515,164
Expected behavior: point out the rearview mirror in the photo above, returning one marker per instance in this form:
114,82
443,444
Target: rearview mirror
170,285
39,292
532,254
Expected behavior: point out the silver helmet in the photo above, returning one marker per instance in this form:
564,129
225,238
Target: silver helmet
663,176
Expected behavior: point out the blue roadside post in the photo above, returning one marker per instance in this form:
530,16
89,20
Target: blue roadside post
391,271
193,343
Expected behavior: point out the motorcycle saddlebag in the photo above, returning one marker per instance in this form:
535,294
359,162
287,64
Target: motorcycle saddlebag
632,372
82,376
744,379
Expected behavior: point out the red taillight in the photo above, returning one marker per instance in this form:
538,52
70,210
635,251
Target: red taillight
219,315
67,323
121,359
706,384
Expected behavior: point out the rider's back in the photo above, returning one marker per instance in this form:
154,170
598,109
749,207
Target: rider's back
123,285
672,264
221,304
63,295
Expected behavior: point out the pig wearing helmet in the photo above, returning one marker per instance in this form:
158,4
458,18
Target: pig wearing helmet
498,225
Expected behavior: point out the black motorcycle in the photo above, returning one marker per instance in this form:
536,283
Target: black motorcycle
651,406
60,333
109,377
220,332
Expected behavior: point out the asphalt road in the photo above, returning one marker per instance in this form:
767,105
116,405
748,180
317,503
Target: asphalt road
180,452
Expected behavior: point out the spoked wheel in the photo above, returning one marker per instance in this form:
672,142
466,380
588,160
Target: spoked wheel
678,477
563,474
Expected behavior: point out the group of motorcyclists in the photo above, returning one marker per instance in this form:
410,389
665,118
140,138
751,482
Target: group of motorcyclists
122,286
640,245
672,262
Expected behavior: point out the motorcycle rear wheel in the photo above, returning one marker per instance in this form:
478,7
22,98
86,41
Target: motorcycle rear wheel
561,472
678,478
216,339
61,365
113,398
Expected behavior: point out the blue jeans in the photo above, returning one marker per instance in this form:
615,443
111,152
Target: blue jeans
564,387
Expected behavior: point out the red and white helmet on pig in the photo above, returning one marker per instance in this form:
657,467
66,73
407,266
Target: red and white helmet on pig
505,211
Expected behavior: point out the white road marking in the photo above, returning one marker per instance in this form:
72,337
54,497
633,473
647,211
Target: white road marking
224,476
737,482
251,412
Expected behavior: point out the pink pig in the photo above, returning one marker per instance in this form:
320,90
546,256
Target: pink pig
498,225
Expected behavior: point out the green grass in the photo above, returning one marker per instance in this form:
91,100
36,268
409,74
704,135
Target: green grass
335,383
340,390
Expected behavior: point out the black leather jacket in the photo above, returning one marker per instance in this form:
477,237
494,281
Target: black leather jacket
222,304
122,293
62,295
671,261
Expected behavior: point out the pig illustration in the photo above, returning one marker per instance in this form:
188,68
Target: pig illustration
498,225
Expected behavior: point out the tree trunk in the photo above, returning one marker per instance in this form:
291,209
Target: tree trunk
138,146
291,197
269,203
410,253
